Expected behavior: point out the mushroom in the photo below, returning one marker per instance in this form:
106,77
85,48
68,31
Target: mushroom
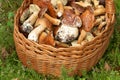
71,19
34,34
99,11
81,36
25,15
28,24
49,39
68,30
54,2
42,37
34,8
60,8
89,36
54,21
66,33
77,8
88,19
75,43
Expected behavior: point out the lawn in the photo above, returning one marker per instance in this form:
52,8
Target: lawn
108,68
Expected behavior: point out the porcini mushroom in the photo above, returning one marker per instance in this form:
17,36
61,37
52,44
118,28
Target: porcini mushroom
89,36
68,30
66,33
34,34
88,19
28,24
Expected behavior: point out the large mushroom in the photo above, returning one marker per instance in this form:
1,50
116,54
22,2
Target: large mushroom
68,30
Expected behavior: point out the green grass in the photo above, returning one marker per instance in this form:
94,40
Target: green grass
12,69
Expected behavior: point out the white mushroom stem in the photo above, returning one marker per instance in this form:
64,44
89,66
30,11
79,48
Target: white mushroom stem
32,18
28,24
52,20
82,36
34,34
83,4
99,11
60,9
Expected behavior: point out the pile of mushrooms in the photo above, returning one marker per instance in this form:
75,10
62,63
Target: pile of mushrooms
63,23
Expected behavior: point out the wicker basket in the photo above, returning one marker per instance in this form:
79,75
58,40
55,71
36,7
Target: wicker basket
49,60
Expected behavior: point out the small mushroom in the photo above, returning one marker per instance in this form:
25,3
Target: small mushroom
60,8
66,33
89,36
75,43
49,40
99,11
82,36
54,21
34,34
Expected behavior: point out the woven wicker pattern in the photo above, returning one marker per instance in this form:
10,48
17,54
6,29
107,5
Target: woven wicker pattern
49,60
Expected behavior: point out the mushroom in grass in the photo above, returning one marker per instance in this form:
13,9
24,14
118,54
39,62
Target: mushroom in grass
68,30
34,34
27,25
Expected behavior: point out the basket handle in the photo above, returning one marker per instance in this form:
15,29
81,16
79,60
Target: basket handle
110,11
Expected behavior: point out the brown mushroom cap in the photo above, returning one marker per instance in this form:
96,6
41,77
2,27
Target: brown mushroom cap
88,19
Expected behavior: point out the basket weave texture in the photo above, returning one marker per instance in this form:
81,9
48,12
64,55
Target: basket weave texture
49,60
